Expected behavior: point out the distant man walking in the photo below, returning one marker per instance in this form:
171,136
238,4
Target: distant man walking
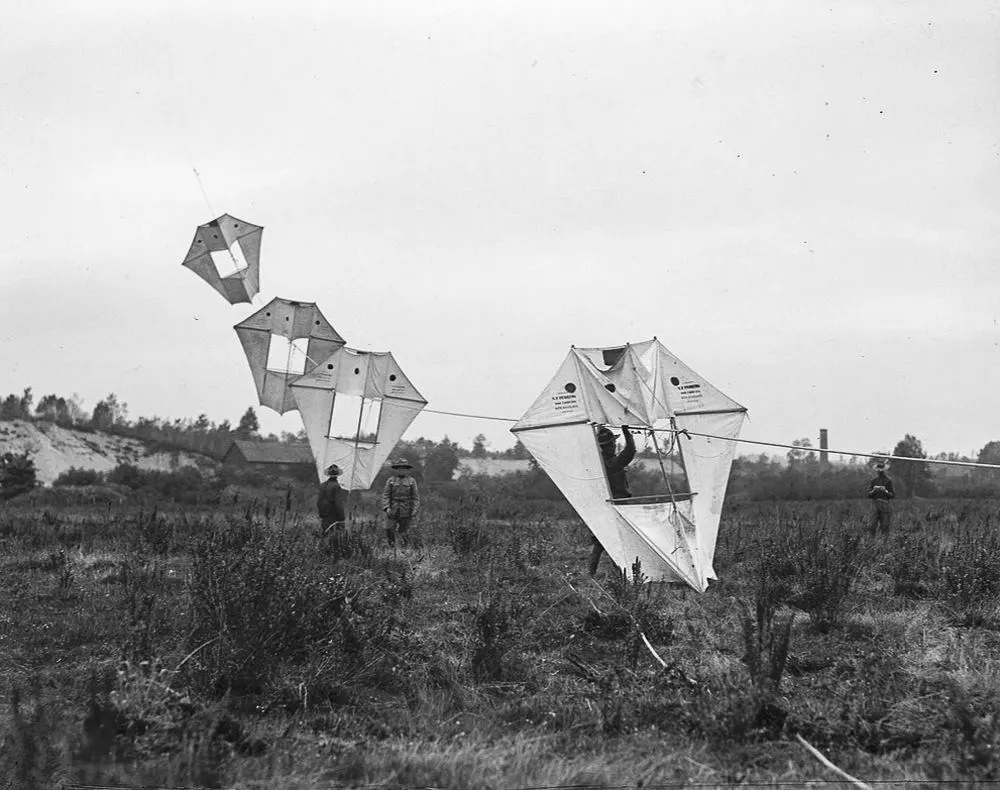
400,501
614,466
330,501
881,493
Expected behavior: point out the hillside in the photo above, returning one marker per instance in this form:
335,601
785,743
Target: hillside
55,449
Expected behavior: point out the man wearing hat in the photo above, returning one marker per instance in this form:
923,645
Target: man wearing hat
614,466
881,492
400,500
330,501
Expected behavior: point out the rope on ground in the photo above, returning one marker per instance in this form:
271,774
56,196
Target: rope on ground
819,756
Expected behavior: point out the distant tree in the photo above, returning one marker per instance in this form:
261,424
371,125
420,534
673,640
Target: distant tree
17,474
10,408
109,413
441,462
249,425
17,408
202,424
53,408
479,446
74,410
800,456
915,476
518,451
990,454
25,404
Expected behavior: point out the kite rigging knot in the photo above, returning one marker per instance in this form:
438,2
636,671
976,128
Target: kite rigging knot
685,432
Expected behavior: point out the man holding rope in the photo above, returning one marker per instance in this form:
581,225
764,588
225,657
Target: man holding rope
330,501
614,466
881,493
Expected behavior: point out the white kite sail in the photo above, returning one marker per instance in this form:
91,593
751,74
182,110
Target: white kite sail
643,386
225,253
355,406
282,341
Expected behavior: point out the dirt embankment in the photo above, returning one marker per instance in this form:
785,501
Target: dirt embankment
55,449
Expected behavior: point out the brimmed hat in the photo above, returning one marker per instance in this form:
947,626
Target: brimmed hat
333,470
401,463
880,466
604,436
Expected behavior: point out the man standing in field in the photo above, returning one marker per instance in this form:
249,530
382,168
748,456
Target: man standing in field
400,501
881,493
614,466
330,501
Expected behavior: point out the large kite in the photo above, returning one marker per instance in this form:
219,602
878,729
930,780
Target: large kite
643,386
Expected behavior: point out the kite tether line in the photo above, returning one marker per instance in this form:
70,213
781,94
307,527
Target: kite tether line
239,271
689,433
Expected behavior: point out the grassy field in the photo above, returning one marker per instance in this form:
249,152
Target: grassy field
234,646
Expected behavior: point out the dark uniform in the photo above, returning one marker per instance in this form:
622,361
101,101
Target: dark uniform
330,501
614,466
400,501
881,493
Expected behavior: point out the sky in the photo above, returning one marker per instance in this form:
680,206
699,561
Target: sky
798,198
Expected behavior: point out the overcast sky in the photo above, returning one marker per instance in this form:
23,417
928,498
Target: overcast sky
799,199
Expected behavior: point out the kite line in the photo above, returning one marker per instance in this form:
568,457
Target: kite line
689,434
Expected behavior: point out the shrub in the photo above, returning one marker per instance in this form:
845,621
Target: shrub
828,563
79,477
262,602
495,632
766,637
17,475
970,578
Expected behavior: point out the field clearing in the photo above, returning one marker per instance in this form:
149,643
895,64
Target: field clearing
234,646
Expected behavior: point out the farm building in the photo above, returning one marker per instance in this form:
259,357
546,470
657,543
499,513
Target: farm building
268,456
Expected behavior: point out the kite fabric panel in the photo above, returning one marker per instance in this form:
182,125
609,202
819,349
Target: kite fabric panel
569,455
643,386
364,383
225,253
304,333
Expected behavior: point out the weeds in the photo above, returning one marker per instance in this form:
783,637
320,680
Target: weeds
828,563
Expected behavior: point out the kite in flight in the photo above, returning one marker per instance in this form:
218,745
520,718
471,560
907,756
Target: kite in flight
283,340
355,406
225,253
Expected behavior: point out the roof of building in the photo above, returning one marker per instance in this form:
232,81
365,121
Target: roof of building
269,452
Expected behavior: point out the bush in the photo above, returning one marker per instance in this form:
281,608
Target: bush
262,602
74,477
970,578
829,562
17,475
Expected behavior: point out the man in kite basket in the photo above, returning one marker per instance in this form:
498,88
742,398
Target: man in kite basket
614,466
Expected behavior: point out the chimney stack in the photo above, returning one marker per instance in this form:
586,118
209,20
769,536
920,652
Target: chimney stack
824,457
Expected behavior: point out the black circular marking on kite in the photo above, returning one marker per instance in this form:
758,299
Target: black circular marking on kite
317,323
392,377
329,367
215,235
675,381
610,387
357,371
570,387
267,314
